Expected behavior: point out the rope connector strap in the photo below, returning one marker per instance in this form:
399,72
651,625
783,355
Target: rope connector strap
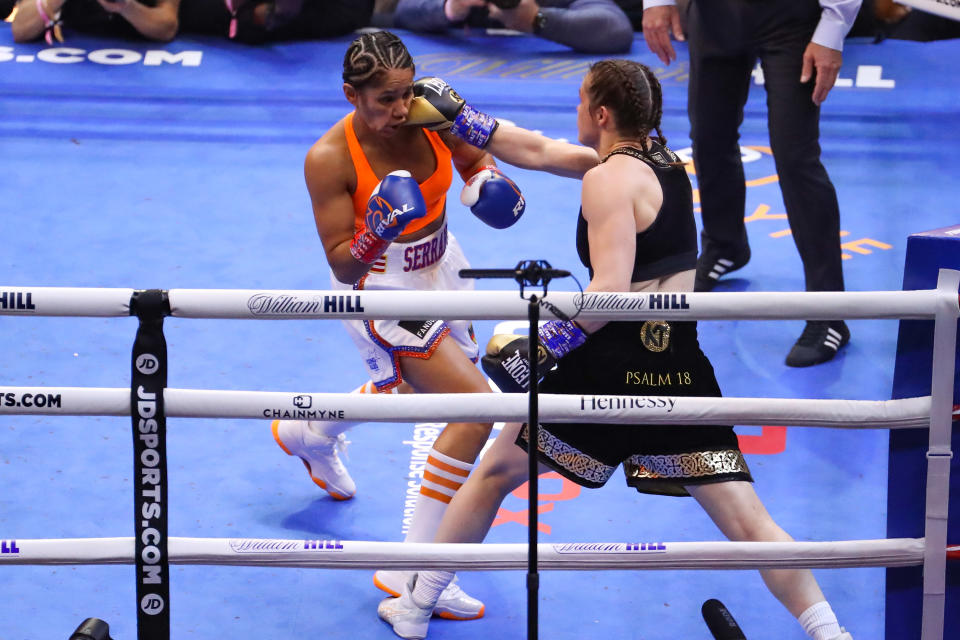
148,381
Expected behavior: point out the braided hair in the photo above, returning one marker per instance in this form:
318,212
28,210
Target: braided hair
632,92
372,54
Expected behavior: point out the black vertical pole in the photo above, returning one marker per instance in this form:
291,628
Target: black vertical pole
533,578
149,379
533,272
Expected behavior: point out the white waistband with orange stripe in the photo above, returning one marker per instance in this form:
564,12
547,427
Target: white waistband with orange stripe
405,257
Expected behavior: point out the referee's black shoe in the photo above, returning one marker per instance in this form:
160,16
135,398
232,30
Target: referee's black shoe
714,262
819,342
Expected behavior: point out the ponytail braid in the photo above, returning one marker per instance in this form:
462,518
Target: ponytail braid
634,95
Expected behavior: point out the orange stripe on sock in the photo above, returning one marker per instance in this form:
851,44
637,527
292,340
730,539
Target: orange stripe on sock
449,468
444,482
436,495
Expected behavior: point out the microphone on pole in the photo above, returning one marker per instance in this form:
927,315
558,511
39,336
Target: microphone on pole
532,272
720,621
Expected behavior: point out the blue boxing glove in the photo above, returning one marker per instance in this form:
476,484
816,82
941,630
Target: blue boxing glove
394,203
493,197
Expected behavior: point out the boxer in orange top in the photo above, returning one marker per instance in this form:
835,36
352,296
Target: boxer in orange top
402,245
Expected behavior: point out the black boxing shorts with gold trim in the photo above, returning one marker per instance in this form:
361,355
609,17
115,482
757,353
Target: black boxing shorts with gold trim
652,358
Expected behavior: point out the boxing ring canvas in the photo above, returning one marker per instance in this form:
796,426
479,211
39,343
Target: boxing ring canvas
180,166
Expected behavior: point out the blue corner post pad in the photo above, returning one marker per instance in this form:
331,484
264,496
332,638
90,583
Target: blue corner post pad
927,253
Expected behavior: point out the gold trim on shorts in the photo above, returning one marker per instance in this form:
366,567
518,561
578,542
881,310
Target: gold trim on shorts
570,458
696,464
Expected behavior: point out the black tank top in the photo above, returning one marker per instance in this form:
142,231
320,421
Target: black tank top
669,244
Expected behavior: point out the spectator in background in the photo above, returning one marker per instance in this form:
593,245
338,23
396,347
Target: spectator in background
899,22
888,11
150,19
259,21
589,26
798,43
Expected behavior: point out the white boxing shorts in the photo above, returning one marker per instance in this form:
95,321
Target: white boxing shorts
431,263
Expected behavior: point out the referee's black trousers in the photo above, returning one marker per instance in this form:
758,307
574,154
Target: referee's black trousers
726,37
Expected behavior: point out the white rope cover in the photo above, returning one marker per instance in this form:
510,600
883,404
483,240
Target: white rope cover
483,305
337,554
66,301
932,411
486,407
946,8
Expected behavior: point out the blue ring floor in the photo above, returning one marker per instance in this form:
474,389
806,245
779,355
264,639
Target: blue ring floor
180,166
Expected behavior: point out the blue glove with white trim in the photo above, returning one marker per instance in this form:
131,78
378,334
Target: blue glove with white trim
395,202
493,197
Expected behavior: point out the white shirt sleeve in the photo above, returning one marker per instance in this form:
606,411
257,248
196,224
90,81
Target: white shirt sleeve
835,22
658,3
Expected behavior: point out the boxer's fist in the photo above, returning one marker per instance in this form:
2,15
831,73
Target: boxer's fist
435,104
493,197
395,202
507,364
438,107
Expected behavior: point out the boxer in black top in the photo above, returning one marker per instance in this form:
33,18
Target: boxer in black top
651,358
636,235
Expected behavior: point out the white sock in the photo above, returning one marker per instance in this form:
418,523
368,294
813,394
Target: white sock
820,622
334,428
430,584
442,476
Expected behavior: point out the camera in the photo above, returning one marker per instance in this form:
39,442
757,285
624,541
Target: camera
506,4
92,629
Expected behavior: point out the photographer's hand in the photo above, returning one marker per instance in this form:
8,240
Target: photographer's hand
519,18
36,19
159,22
114,6
457,10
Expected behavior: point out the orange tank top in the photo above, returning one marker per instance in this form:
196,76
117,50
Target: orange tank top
434,188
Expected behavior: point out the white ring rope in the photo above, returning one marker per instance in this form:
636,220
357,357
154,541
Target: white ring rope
485,407
944,8
487,305
587,556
